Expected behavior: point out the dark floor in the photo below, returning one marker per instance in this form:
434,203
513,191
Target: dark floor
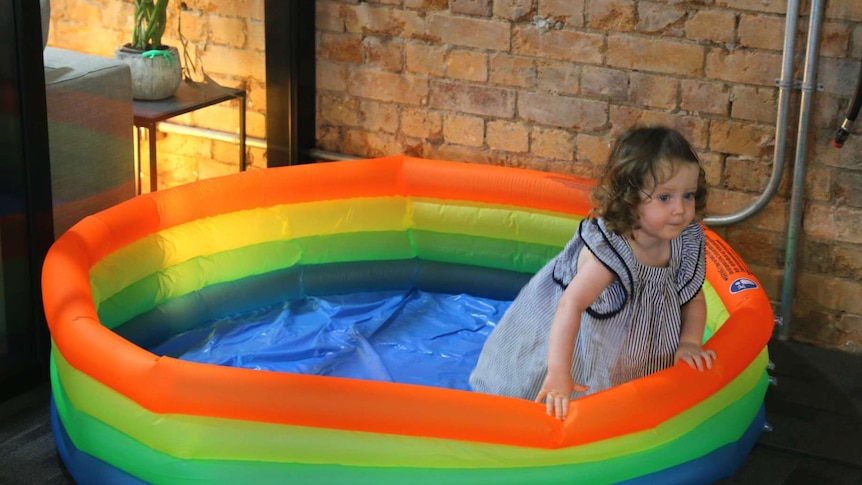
815,411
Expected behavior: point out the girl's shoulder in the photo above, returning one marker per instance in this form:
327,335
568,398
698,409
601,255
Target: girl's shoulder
609,248
598,237
692,237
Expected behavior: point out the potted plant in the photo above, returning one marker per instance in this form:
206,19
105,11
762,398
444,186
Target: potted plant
156,70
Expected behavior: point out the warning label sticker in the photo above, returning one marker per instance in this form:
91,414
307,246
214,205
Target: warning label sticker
726,261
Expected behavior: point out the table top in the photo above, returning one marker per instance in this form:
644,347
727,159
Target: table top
189,97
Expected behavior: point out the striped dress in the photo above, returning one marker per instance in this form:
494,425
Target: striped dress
630,331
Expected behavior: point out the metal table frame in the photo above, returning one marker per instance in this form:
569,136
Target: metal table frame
190,96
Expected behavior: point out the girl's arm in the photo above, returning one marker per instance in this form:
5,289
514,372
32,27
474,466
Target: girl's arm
691,335
590,280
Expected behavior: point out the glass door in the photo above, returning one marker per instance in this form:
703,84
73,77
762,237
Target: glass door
25,197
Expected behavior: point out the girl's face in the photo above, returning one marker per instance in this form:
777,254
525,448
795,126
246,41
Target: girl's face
668,207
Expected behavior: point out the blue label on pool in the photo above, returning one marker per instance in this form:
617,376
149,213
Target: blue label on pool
742,284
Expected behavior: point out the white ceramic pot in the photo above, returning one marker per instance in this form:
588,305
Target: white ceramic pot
155,74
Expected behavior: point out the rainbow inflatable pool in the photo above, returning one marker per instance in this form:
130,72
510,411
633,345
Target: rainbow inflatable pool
170,261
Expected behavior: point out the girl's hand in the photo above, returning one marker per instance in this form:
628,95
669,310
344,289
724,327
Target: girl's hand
694,355
557,392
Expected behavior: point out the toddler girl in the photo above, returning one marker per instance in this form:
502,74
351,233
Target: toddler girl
623,299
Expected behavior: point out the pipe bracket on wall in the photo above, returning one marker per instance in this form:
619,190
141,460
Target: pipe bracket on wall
797,84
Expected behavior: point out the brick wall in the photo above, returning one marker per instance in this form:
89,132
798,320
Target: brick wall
548,84
224,40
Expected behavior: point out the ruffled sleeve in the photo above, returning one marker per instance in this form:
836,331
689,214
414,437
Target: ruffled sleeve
692,263
613,252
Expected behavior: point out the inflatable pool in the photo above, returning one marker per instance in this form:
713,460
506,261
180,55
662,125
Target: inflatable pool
131,277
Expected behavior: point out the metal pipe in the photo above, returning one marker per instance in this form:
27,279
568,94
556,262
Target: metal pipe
323,155
210,134
785,89
316,154
809,86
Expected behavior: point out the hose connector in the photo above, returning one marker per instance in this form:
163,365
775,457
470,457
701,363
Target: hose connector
842,134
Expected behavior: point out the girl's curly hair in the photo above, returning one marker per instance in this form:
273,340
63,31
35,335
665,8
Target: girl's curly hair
636,163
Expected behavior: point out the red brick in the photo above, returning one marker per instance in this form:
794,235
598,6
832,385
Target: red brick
228,31
743,66
379,116
331,76
383,53
555,144
712,25
761,32
834,37
694,128
856,42
464,130
563,112
761,248
341,111
766,6
427,59
467,65
592,153
654,18
256,35
612,15
838,224
255,125
480,100
603,83
516,10
562,45
844,10
383,21
507,136
341,47
832,293
754,103
772,218
196,28
569,12
846,188
653,91
826,257
747,174
329,16
228,60
461,153
426,4
559,77
330,138
423,124
651,55
713,167
252,9
818,183
470,32
513,71
478,8
256,97
412,24
704,97
371,144
387,86
742,139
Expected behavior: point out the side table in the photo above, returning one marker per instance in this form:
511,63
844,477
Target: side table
190,96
